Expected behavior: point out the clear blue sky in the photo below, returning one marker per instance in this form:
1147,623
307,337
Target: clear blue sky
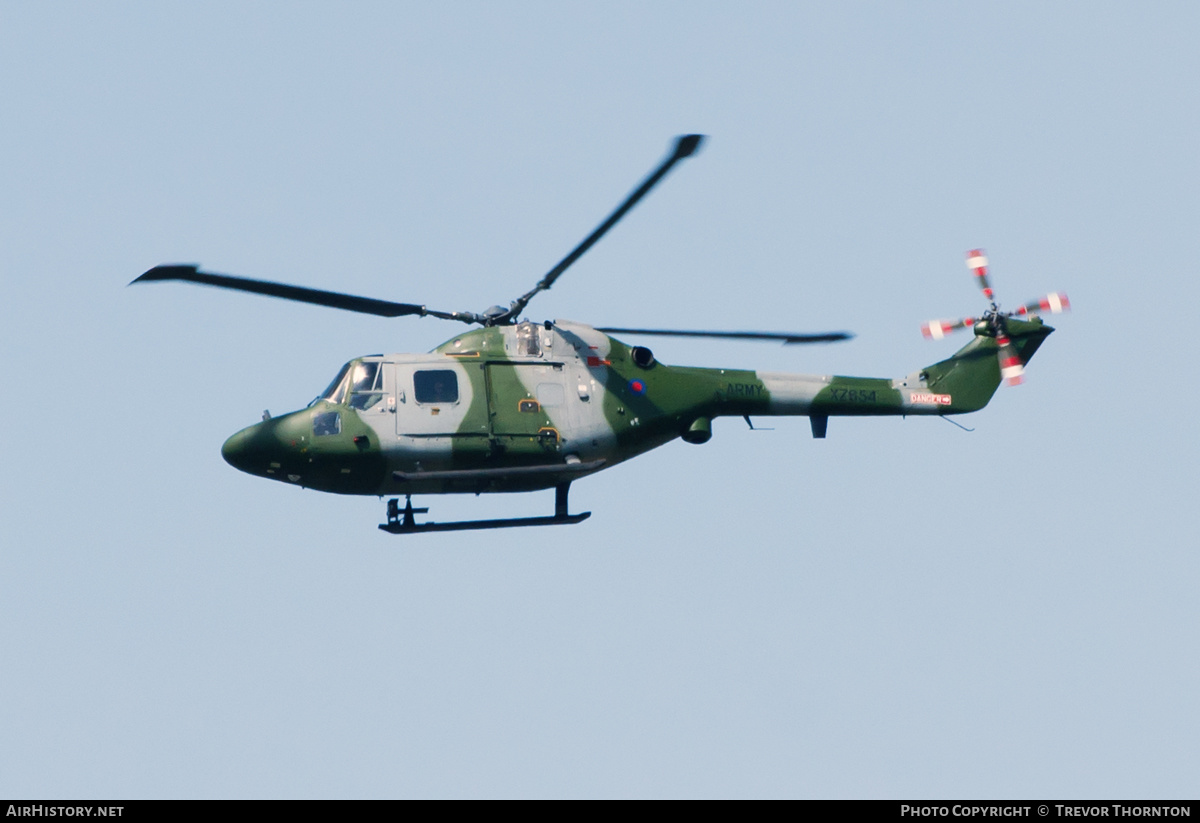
904,609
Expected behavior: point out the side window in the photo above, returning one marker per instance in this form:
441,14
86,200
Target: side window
435,386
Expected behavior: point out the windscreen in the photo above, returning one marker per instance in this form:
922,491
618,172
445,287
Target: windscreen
366,385
336,392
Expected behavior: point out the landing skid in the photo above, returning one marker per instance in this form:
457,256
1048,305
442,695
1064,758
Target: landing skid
401,521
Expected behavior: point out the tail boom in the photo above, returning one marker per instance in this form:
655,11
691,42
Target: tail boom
962,383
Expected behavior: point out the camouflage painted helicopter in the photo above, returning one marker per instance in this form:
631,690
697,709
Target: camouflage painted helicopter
517,406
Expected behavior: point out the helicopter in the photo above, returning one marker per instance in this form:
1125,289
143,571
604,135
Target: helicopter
522,406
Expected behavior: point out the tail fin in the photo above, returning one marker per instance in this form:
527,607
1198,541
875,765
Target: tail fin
972,375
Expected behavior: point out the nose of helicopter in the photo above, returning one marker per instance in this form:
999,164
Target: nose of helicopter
311,449
276,447
235,452
259,448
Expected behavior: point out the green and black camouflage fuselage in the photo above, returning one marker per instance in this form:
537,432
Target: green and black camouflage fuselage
523,407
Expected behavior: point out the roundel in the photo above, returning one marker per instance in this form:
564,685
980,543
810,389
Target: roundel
637,387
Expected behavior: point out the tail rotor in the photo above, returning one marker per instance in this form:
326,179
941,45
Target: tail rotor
994,323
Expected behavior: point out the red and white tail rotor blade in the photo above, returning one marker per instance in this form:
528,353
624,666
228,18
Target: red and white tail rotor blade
937,329
977,262
1011,367
1055,303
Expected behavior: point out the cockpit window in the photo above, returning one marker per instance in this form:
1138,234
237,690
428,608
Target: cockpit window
336,392
325,423
359,383
435,386
366,385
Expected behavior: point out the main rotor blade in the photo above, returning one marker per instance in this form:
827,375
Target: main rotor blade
320,297
685,146
784,337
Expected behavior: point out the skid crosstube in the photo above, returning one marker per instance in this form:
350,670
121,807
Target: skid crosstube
402,521
469,525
